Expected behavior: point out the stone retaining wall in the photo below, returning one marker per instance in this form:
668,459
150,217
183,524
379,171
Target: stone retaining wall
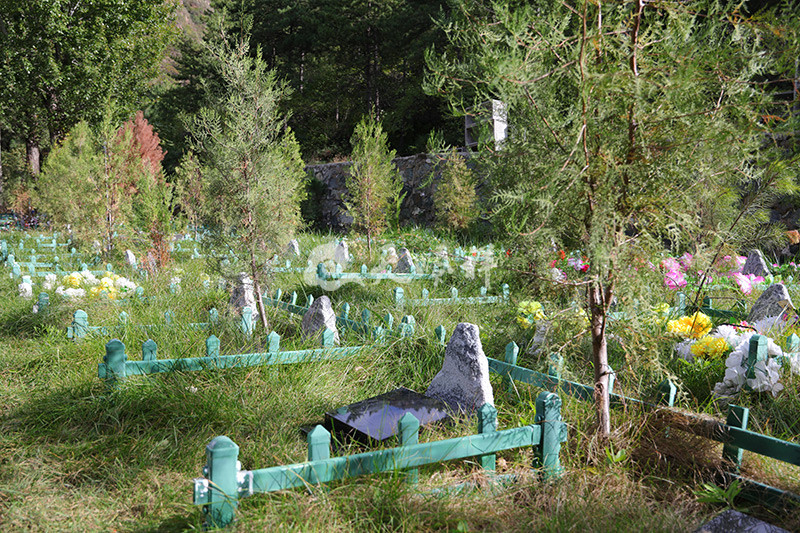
420,174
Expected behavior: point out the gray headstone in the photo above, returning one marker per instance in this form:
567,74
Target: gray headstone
341,254
463,381
243,294
772,302
732,521
391,258
755,264
539,337
292,249
319,316
130,259
405,263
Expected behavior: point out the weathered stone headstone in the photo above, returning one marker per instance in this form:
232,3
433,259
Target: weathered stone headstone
405,263
341,254
292,249
755,264
463,381
130,259
772,302
539,337
319,316
243,294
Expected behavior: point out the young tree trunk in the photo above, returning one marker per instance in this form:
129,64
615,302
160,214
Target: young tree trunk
260,302
599,299
33,154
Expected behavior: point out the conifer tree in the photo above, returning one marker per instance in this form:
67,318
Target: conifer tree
373,181
251,161
623,118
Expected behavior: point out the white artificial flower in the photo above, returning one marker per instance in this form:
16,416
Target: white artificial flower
684,350
25,289
49,281
124,285
70,293
89,277
175,279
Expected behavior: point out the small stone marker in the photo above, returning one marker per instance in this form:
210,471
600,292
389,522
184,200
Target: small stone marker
405,264
243,294
341,254
319,316
377,417
292,249
732,521
539,337
772,302
463,381
755,264
130,259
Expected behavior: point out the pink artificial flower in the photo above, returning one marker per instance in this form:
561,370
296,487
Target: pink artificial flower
686,261
674,280
671,264
746,283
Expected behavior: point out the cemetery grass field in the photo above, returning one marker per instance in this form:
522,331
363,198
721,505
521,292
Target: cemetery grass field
76,456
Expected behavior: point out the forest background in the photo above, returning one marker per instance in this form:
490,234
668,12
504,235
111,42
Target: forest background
341,59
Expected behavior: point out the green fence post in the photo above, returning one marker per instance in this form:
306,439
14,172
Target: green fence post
506,291
737,417
792,343
43,303
345,310
169,318
328,338
512,350
212,347
454,294
680,305
246,322
115,359
222,467
426,294
213,317
757,351
407,326
487,423
80,324
319,448
273,342
554,432
408,433
555,365
441,335
398,294
666,393
149,353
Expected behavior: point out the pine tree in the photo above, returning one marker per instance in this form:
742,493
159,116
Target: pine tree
251,161
373,181
624,118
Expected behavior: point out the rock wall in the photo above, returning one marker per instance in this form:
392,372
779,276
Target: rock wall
420,174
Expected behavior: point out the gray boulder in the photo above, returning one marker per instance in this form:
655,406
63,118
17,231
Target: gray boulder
292,249
243,294
772,302
463,381
405,263
755,264
320,315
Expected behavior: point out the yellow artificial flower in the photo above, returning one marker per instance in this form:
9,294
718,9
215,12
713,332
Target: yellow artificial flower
710,348
529,307
695,326
73,280
523,322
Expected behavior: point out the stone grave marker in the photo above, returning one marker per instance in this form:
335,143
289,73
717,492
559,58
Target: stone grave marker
341,254
405,263
755,264
731,521
243,294
463,382
292,249
320,315
130,259
772,302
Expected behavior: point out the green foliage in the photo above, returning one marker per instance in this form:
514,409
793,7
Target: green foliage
373,181
708,493
251,161
455,199
102,185
60,58
190,189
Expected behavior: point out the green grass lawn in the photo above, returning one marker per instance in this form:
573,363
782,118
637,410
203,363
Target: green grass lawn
76,456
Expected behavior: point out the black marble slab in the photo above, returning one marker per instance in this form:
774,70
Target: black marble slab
732,521
376,418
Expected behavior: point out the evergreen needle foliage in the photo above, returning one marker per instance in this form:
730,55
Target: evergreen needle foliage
252,162
455,199
627,120
373,181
